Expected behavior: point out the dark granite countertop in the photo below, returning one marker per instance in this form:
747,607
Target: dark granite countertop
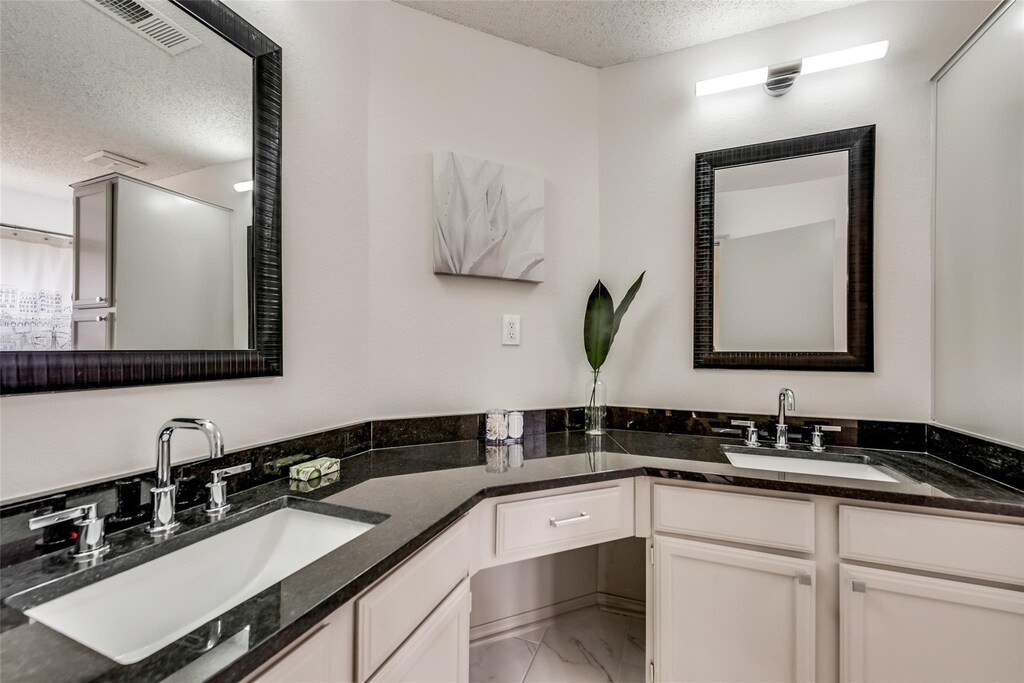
421,490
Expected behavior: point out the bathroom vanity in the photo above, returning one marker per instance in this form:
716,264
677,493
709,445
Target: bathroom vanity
822,577
904,580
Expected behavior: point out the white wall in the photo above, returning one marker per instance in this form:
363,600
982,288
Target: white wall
216,184
740,213
436,340
651,127
979,236
370,90
172,269
757,273
30,210
511,589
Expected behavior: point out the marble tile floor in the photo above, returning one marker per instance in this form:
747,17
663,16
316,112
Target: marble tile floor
584,646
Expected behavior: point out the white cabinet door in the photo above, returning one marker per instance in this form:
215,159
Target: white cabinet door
725,614
94,220
323,655
388,613
437,651
902,627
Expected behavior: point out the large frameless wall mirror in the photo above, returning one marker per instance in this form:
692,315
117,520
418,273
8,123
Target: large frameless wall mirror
140,179
783,254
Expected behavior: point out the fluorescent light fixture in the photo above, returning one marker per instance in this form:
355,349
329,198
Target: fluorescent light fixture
740,80
854,55
782,76
243,187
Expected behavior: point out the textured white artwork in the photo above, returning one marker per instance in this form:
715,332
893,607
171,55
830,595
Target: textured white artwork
488,219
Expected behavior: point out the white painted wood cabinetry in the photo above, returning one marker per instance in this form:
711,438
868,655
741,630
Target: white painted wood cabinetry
903,627
323,655
438,650
899,626
732,591
389,612
728,614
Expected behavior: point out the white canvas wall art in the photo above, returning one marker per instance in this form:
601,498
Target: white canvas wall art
488,219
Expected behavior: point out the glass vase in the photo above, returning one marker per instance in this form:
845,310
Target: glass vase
596,406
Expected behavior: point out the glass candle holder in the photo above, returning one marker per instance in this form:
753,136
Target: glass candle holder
496,426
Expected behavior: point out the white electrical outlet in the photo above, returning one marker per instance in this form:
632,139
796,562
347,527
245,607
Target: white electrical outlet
510,330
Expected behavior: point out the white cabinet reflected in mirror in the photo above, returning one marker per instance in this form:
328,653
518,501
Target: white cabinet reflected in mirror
126,127
780,255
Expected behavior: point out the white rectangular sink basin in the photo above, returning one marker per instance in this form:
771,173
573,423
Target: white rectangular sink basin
824,468
131,615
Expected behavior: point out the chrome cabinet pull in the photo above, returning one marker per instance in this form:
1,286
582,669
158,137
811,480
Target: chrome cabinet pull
858,586
582,517
803,578
97,319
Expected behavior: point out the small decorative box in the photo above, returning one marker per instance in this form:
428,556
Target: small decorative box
314,468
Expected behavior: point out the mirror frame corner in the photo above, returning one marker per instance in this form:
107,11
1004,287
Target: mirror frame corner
859,357
27,372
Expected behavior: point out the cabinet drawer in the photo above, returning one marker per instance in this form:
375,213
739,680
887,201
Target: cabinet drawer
392,610
950,545
737,517
540,526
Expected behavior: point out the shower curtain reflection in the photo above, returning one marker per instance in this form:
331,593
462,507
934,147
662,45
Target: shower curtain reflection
36,272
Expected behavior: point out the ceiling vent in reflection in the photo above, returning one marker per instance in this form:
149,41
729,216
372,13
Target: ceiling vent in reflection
113,162
148,23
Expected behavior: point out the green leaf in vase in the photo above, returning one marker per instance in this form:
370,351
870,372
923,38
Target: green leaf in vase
624,304
597,325
602,320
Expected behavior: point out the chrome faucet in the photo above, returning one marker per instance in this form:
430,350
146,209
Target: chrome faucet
163,493
787,400
90,538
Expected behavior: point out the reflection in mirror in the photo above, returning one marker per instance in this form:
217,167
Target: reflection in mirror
125,128
780,255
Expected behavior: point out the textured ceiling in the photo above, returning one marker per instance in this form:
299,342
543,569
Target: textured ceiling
607,32
74,81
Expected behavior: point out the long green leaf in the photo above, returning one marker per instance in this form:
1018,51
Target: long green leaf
597,325
624,306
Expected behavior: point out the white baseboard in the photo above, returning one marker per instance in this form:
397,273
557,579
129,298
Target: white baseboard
542,616
628,606
527,621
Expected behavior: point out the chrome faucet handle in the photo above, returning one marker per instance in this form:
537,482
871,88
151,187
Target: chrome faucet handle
750,435
91,538
781,437
817,444
217,497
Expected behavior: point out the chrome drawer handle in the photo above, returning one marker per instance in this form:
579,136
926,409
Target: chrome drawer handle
582,517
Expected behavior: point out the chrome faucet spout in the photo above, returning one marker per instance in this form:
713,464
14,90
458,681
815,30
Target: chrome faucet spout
163,494
163,444
787,401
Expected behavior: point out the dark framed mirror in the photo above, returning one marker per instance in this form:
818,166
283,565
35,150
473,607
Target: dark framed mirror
142,180
783,254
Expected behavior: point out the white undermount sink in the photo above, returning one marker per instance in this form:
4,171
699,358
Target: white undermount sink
131,615
824,468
